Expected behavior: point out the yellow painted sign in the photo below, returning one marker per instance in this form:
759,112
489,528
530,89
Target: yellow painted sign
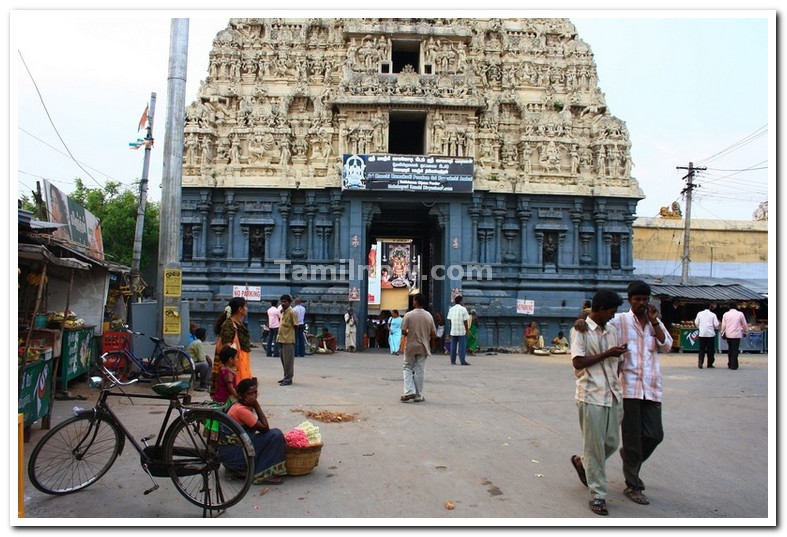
171,320
173,279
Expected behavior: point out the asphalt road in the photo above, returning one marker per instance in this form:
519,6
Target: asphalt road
493,440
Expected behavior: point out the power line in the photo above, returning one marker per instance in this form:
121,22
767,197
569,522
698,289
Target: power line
41,98
56,150
740,143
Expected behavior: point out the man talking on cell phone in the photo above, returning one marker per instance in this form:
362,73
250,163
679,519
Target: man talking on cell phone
640,375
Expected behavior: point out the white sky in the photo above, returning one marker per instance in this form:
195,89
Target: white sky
689,85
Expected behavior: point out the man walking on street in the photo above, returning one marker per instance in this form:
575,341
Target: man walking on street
460,325
596,355
300,338
274,314
418,327
733,328
646,336
286,340
707,323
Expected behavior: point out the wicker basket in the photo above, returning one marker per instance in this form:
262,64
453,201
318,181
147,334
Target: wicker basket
301,461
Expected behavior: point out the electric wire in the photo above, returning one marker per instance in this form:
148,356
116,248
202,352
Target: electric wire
41,98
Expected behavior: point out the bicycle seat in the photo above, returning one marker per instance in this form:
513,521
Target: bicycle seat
171,388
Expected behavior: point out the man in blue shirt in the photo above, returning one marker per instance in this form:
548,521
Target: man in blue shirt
300,340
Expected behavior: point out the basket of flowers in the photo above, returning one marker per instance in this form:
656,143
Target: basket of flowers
302,449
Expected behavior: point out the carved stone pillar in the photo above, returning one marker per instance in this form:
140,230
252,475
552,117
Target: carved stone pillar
523,214
475,214
231,208
337,208
310,210
298,225
576,220
285,208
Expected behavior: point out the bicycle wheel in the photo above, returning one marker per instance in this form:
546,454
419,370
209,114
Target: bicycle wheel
311,344
196,446
75,454
171,364
118,363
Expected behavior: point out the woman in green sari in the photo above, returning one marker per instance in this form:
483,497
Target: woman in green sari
472,335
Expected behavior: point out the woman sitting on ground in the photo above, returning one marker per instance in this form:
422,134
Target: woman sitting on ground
268,443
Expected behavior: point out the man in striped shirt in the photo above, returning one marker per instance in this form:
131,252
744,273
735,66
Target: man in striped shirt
646,336
596,355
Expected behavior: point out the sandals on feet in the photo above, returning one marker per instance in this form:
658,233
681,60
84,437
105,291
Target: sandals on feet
576,461
636,496
599,506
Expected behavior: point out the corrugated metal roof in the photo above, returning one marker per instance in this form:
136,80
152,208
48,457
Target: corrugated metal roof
711,293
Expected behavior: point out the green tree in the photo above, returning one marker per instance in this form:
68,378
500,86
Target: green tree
116,208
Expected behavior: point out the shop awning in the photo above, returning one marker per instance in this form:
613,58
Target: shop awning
37,252
708,292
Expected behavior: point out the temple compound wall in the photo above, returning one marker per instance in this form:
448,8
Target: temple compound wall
544,215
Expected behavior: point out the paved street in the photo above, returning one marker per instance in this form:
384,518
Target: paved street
494,438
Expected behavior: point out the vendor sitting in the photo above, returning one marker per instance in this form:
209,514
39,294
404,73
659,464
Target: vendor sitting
326,341
560,340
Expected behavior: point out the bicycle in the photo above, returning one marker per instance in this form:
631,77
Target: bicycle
166,364
311,340
189,449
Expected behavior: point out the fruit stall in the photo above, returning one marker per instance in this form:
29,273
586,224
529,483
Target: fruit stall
61,307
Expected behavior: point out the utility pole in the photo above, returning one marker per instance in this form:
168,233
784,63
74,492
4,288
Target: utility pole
143,200
689,177
169,292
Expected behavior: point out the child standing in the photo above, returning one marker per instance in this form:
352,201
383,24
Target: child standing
228,376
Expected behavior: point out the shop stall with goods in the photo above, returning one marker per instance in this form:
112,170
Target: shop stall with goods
680,305
62,298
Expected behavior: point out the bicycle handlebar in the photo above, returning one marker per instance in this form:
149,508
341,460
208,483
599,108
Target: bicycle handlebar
112,376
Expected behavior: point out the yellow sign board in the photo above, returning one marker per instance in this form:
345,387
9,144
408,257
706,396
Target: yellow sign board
171,320
173,279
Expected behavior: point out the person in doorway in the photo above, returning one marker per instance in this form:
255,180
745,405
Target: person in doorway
274,317
733,328
646,336
472,333
286,339
460,325
232,331
707,323
202,364
596,354
438,341
350,328
300,338
394,332
419,329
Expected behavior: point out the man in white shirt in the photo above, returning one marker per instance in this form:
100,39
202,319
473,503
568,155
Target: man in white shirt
596,355
274,316
460,325
707,323
300,338
733,328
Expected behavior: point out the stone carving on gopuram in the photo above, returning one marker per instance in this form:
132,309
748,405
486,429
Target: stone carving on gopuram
285,98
